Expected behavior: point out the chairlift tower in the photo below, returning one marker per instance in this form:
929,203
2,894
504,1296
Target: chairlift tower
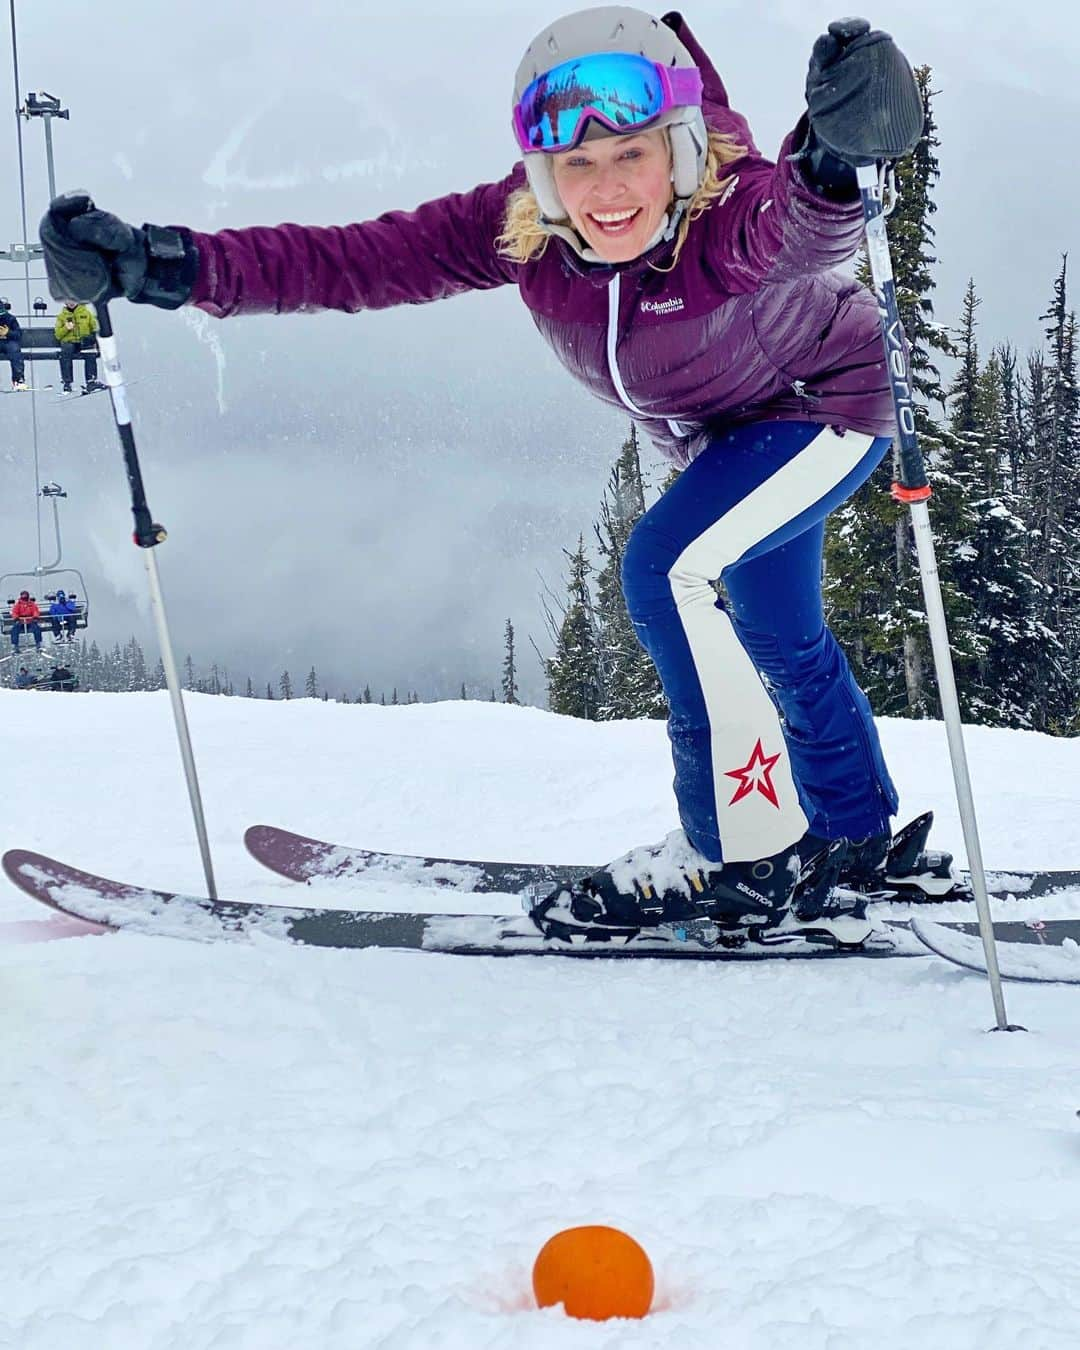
47,107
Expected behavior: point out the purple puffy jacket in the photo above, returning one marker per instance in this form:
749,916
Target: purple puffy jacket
751,323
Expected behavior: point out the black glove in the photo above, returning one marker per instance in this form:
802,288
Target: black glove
92,255
861,95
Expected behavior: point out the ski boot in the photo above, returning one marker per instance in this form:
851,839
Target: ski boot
669,882
900,867
671,886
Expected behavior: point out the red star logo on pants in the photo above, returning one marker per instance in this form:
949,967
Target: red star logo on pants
755,775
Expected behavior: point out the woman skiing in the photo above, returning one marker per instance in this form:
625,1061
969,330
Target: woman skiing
689,281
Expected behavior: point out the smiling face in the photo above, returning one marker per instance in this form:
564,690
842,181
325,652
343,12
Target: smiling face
616,190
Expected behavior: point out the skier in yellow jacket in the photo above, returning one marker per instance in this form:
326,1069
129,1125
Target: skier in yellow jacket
74,330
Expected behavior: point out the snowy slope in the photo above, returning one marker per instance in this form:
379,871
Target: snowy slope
212,1147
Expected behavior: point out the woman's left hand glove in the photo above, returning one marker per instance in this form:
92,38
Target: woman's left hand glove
861,95
94,255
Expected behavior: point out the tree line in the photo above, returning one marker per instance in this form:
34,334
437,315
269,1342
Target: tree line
124,668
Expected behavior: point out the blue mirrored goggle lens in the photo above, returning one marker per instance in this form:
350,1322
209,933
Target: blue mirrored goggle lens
619,89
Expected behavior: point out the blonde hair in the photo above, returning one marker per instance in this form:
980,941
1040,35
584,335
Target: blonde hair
523,238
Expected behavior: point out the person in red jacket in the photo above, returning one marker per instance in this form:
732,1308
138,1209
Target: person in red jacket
26,614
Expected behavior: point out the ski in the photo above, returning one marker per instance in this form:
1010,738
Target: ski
69,395
1048,954
1043,951
137,909
300,858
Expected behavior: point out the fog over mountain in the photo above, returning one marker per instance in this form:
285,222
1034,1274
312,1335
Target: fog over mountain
376,494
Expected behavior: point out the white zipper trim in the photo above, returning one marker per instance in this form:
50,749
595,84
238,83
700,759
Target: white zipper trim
612,339
676,428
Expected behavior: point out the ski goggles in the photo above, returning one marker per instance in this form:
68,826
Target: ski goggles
621,90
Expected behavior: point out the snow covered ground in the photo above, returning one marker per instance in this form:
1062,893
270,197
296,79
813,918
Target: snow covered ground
267,1148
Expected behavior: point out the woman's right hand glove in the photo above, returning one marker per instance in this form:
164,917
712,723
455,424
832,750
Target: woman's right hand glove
92,255
862,98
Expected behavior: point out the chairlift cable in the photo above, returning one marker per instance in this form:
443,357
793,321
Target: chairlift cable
26,272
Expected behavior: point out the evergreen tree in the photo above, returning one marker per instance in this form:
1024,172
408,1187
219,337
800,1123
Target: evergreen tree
993,628
269,691
285,685
311,684
249,692
959,479
1003,587
94,669
366,698
628,679
189,672
509,671
1012,419
573,671
133,677
1053,484
463,696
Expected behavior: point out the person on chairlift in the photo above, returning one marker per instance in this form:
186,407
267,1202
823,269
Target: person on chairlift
74,329
60,680
11,344
63,612
26,613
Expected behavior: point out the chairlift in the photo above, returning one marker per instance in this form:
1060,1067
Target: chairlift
39,341
43,582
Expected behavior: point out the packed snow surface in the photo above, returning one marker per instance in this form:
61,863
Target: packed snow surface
264,1147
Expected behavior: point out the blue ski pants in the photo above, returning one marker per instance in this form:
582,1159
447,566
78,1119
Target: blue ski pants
25,628
770,734
11,350
68,351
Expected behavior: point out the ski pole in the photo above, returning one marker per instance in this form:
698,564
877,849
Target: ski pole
913,488
147,535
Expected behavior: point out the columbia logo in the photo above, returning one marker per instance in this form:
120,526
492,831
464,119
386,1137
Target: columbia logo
671,306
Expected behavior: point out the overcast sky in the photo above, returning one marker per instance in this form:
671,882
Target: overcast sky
376,494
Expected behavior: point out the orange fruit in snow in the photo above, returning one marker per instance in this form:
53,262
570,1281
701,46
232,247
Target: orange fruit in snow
594,1272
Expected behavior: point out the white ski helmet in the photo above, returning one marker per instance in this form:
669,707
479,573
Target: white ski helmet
615,28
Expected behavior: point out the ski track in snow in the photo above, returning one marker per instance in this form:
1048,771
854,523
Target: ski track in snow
253,1147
